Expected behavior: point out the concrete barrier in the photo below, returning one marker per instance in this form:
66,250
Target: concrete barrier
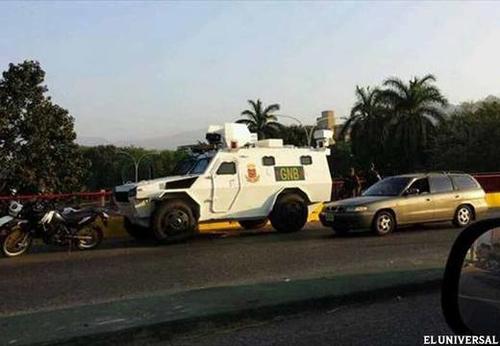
493,199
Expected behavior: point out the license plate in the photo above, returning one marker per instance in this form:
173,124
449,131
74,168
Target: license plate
329,217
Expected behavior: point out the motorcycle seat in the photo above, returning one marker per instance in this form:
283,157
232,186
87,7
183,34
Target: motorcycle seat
75,217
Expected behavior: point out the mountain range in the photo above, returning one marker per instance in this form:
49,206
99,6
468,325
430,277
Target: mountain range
159,142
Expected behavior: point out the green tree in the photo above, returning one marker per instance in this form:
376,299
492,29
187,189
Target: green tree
108,166
164,163
416,109
261,120
294,135
104,167
367,125
342,159
36,136
469,139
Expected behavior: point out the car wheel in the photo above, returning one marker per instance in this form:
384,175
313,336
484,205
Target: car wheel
173,221
135,231
383,223
463,216
289,214
253,224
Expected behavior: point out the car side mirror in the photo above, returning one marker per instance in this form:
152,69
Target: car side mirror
412,191
471,286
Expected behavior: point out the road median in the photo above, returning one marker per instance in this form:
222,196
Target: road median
160,316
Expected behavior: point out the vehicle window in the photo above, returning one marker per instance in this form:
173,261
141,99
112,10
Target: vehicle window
392,186
440,183
227,168
306,160
268,161
200,166
464,182
421,184
183,166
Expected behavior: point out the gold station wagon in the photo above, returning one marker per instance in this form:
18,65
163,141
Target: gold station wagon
409,199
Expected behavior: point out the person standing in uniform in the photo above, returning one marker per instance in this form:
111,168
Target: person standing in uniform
372,176
352,184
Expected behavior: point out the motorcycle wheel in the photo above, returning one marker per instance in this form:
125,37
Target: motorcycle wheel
16,243
94,237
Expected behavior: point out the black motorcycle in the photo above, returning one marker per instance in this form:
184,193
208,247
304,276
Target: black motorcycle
67,227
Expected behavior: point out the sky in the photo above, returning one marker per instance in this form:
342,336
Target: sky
150,69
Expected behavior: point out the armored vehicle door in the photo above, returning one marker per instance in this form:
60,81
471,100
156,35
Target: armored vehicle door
226,185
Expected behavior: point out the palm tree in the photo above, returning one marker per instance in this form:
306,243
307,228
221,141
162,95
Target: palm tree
261,120
417,109
366,124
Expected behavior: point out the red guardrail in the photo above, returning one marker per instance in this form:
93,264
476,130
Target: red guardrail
490,182
83,195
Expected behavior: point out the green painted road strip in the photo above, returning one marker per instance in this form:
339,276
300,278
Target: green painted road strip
158,317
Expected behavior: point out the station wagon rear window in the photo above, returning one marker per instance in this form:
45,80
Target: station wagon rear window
464,182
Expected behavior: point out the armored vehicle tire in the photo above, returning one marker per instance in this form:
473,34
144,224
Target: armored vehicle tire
383,223
135,231
173,221
289,213
253,224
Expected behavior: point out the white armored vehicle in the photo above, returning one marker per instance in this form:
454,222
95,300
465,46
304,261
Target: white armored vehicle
242,178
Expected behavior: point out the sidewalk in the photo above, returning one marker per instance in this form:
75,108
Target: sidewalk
158,317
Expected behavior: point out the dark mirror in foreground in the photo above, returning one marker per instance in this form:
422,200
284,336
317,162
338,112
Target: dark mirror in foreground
479,287
471,287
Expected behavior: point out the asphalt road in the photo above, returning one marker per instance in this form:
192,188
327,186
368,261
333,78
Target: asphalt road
125,269
398,321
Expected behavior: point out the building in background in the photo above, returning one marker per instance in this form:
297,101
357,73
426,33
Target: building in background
325,126
326,121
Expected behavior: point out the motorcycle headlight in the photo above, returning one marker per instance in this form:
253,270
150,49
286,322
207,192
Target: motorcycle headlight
356,209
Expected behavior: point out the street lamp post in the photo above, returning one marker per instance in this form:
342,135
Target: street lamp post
309,133
136,162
